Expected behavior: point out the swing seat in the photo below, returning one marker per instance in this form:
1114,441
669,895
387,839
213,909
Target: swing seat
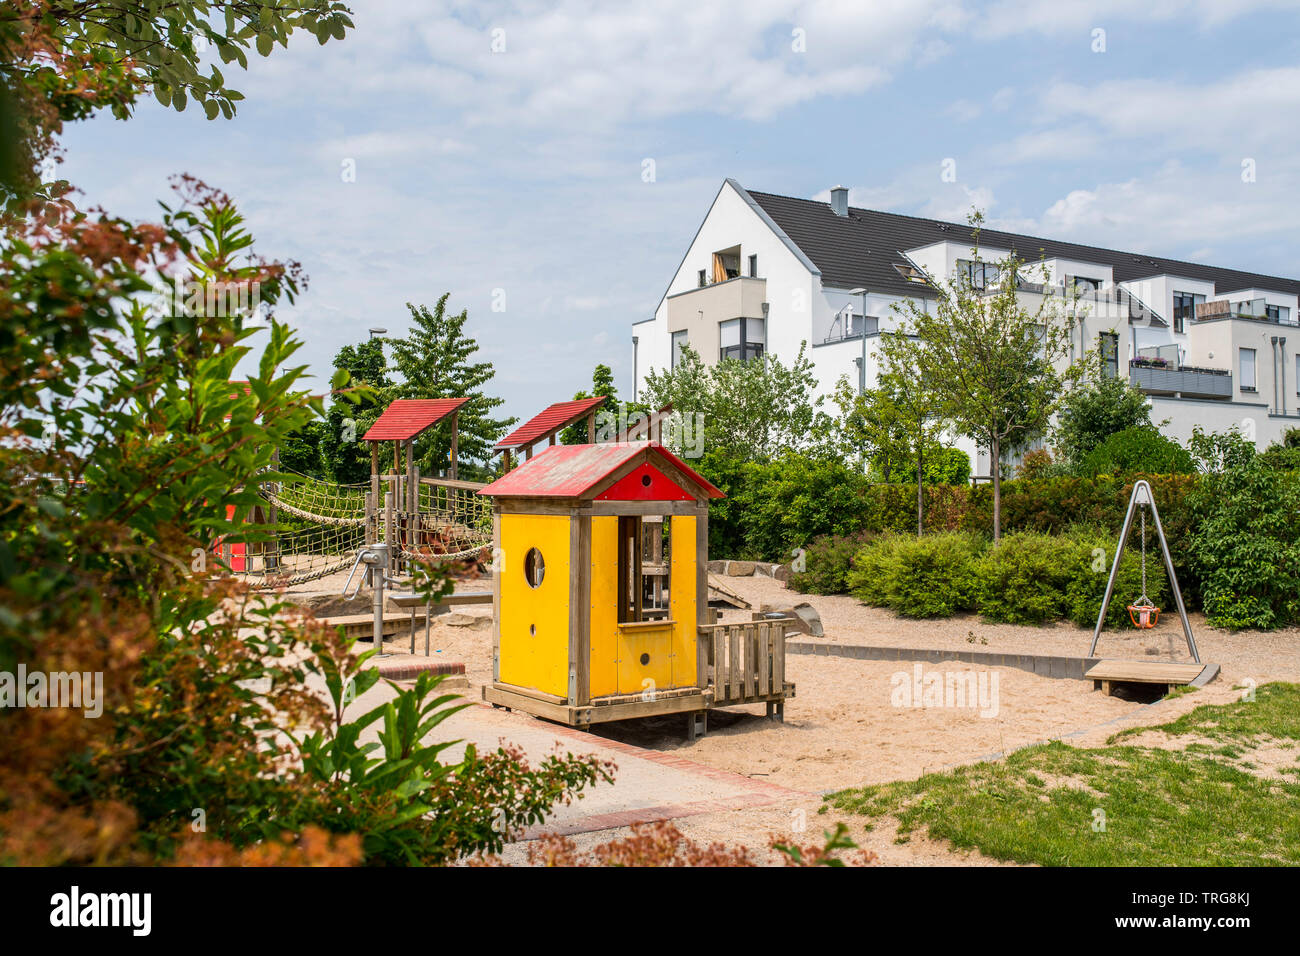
1143,615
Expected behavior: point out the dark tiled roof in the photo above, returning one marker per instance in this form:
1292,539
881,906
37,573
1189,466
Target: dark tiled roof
860,249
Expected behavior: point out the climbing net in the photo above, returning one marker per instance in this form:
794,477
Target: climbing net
319,527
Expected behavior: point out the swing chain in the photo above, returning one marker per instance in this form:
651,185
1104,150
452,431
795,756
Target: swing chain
1143,515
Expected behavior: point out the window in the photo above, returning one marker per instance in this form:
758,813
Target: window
629,569
534,568
980,275
1185,304
1246,370
742,339
703,279
679,339
1108,345
753,267
1297,374
1082,284
1277,313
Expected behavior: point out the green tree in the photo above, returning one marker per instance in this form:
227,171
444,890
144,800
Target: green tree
752,410
435,361
64,60
1216,452
920,403
602,385
1098,408
345,456
994,358
871,427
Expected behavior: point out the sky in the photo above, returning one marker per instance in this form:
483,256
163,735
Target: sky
548,163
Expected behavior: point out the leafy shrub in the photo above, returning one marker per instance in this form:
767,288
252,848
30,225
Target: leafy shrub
1281,457
930,576
933,575
1138,451
827,561
1095,550
870,578
1246,548
943,466
1023,578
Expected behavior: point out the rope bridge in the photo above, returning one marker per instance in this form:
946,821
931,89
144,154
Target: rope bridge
320,525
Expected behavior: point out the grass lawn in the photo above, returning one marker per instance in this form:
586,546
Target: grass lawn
1230,797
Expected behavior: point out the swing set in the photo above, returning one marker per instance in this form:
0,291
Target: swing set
1143,611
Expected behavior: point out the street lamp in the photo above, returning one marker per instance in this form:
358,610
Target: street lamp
862,362
377,331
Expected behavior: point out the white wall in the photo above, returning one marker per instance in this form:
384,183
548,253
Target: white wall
732,221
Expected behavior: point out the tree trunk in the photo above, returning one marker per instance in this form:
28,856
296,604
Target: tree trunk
995,452
920,491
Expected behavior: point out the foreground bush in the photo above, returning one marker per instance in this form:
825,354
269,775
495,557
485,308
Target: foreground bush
125,454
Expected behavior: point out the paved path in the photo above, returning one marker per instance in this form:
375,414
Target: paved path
648,785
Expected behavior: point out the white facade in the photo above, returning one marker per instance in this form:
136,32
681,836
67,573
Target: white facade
742,271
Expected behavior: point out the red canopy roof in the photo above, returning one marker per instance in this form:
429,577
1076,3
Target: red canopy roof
573,471
551,419
407,417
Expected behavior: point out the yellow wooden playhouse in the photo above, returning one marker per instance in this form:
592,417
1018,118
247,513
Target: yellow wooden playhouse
580,635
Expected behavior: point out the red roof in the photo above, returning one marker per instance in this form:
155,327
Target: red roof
573,471
552,419
407,417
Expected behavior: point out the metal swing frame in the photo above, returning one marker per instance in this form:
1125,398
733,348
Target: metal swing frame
1142,496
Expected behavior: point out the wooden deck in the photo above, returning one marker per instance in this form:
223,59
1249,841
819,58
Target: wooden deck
1106,674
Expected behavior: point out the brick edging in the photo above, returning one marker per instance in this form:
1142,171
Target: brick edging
666,759
406,670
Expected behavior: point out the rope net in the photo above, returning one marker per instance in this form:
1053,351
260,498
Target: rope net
319,526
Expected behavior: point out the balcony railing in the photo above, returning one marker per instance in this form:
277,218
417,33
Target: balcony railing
842,331
1161,377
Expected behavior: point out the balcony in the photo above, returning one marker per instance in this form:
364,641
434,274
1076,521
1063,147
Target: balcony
1160,377
741,297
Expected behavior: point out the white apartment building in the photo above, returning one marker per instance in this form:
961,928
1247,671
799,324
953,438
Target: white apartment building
764,273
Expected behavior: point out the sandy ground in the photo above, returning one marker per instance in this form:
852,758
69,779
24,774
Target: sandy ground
850,724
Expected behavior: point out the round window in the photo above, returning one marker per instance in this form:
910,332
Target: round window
534,568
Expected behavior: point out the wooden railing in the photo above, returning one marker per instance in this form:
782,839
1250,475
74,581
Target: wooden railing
745,662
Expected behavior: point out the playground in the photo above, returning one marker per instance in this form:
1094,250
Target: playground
584,620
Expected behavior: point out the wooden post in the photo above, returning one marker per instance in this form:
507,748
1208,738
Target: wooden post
497,558
455,444
271,552
412,498
591,429
579,608
505,461
552,441
372,509
702,609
